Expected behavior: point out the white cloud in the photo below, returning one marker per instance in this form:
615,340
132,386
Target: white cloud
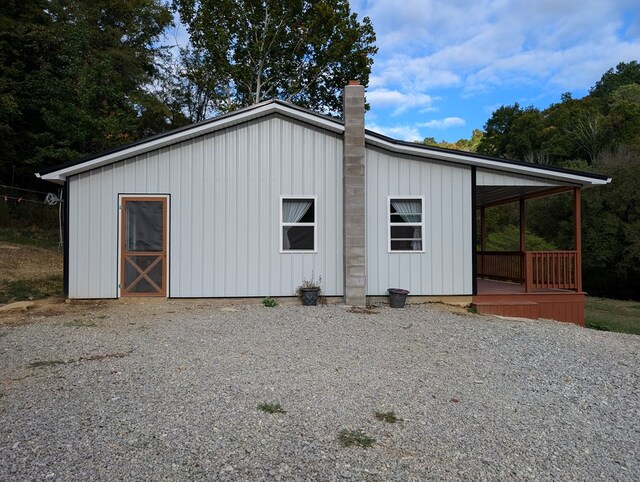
399,101
402,132
480,46
443,123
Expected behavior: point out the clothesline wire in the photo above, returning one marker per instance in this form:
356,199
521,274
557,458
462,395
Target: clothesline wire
22,189
6,196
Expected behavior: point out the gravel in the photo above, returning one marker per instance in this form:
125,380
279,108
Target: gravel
170,391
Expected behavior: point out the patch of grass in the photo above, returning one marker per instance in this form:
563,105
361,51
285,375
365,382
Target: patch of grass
32,236
80,323
271,408
612,315
347,438
389,417
49,363
269,302
473,309
31,289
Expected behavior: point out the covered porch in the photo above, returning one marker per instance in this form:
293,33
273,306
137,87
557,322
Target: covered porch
525,283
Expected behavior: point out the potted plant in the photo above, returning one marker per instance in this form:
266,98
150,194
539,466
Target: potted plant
397,297
309,291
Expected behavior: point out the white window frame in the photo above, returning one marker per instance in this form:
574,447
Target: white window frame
314,224
390,224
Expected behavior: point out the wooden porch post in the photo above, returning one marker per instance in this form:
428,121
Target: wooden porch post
483,237
523,224
483,231
523,244
577,228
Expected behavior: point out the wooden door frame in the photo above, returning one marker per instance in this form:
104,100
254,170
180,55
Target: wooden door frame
122,198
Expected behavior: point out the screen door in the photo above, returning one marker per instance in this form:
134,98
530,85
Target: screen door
144,246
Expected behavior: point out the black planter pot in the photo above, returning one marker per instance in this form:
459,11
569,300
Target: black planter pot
397,297
309,296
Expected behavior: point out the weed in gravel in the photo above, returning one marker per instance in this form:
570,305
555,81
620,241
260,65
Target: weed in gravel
49,363
347,438
271,408
473,309
80,323
389,417
269,302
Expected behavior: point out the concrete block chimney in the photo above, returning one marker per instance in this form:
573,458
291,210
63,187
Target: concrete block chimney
355,276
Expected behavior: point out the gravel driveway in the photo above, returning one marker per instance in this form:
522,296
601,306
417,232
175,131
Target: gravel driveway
170,391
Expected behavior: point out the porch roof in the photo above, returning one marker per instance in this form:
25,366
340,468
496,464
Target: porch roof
487,196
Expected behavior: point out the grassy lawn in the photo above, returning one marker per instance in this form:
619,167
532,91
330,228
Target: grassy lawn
612,315
31,236
30,289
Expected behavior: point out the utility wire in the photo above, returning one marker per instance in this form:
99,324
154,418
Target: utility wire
22,189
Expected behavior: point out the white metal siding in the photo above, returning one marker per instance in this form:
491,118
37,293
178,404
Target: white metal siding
225,193
445,267
487,177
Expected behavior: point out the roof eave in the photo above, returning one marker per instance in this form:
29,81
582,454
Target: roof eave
571,177
196,130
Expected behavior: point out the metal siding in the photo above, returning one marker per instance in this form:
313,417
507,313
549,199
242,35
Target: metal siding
488,177
445,266
224,215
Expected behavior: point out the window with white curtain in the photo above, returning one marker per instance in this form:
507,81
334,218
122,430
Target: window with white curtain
298,224
406,224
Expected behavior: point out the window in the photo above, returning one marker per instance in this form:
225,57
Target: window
406,224
298,224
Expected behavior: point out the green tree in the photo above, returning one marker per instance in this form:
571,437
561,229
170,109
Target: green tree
498,130
612,79
76,78
467,145
246,51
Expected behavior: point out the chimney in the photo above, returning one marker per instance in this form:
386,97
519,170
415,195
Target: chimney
355,278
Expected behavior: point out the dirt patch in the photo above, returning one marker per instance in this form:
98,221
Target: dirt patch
52,307
19,261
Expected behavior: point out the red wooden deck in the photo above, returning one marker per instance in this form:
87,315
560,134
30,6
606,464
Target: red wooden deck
534,284
510,299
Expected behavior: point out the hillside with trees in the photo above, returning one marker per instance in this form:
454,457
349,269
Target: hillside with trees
79,77
600,133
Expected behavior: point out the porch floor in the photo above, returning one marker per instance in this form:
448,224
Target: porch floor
509,299
489,286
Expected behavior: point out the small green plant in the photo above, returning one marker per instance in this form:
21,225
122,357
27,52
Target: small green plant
389,417
473,309
269,302
347,438
271,408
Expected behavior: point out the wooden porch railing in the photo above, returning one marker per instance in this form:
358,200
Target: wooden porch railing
536,269
502,265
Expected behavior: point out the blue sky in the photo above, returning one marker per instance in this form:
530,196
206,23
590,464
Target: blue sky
444,66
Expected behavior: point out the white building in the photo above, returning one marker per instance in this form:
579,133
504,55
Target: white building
250,203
